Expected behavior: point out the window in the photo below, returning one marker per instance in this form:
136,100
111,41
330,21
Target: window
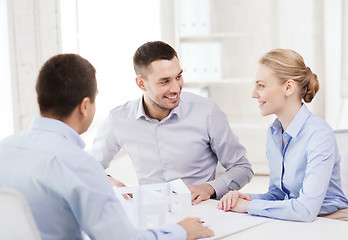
107,33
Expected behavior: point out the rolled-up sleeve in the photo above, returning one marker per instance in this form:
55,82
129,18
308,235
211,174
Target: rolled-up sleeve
230,153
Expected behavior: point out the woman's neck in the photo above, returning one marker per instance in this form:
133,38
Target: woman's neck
288,114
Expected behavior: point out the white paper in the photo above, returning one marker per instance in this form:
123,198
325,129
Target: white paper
224,223
155,205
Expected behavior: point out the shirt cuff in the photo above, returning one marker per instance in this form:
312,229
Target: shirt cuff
256,207
217,188
177,232
255,196
220,188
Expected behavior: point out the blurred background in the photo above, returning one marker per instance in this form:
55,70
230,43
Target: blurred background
218,41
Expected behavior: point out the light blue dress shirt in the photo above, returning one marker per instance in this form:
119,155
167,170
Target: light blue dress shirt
67,190
187,144
304,176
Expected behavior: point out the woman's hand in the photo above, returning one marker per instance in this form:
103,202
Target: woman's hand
234,201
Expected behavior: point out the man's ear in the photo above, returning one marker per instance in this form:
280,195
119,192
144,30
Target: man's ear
84,105
289,87
140,82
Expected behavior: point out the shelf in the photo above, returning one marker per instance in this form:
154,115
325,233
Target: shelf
219,44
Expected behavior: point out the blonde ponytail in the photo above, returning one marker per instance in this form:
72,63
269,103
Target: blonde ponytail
311,88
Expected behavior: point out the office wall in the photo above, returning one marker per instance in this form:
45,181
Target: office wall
246,30
312,27
301,28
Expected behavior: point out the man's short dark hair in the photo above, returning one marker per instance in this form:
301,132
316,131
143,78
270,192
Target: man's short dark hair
63,82
150,52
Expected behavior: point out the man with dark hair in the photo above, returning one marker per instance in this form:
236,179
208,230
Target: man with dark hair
67,189
171,134
61,86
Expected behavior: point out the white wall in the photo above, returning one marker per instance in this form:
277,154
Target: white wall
300,28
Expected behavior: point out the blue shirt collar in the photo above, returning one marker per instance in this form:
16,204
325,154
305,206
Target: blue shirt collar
276,126
141,112
59,127
295,125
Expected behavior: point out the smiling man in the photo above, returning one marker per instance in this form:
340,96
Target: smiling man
171,134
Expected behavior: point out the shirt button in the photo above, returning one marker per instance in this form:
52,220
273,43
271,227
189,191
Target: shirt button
166,166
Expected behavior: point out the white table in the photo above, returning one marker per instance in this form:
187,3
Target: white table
321,228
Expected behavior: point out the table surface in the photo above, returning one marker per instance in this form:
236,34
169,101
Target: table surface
321,228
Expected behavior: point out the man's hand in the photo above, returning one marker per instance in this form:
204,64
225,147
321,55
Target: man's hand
117,183
200,192
235,201
195,229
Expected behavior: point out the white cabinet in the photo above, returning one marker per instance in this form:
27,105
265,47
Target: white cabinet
219,43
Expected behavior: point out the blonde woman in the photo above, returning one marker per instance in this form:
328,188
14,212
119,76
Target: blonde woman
301,148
